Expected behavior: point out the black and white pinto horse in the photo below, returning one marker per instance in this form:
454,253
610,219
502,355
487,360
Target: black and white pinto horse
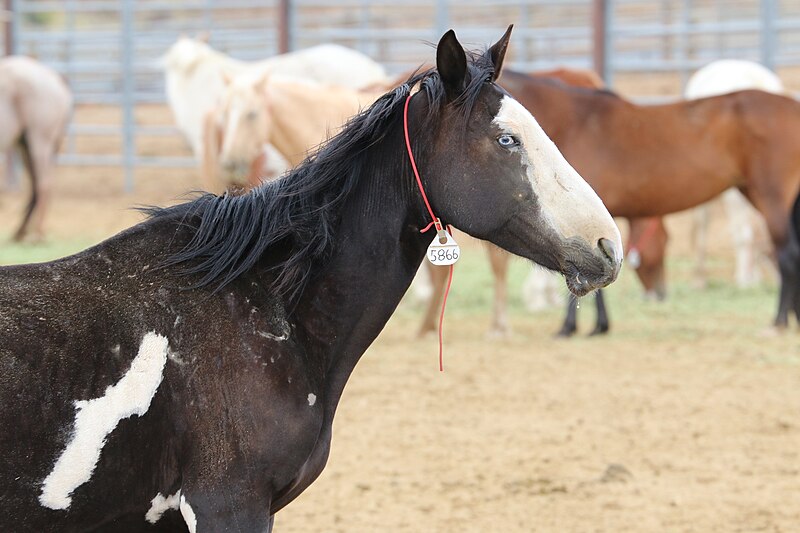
184,374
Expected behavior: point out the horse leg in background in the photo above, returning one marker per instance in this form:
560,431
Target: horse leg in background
541,290
34,203
571,320
789,263
739,213
788,258
701,216
209,159
498,259
602,326
438,280
650,237
255,173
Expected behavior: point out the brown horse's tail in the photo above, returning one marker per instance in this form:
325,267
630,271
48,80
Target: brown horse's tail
27,160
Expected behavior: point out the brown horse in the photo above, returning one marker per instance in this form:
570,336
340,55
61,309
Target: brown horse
35,105
660,159
648,236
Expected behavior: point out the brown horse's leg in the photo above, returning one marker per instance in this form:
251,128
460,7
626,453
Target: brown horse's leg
438,280
498,259
701,216
34,201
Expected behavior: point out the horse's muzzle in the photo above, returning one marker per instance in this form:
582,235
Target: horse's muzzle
589,270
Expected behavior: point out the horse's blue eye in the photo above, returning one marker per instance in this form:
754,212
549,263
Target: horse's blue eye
507,141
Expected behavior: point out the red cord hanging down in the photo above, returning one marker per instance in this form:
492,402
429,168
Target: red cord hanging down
434,222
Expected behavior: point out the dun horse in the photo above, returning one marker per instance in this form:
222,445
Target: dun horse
35,106
193,363
655,160
196,74
292,115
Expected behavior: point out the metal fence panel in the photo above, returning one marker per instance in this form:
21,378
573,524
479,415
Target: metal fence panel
107,49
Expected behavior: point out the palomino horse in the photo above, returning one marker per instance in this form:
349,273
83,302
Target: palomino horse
195,78
145,407
648,239
290,114
660,159
35,106
745,223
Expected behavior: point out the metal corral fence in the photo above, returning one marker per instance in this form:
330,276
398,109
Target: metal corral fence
108,49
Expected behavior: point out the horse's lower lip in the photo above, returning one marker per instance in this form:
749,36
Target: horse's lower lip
580,288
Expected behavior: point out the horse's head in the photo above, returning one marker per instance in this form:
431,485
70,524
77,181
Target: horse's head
184,55
491,171
246,122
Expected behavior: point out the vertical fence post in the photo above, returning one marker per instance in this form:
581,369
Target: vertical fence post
128,103
442,19
284,26
769,12
684,37
602,14
8,26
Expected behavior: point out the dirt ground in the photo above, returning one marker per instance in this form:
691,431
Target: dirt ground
685,418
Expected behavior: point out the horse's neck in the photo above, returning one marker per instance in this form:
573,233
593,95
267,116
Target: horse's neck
305,115
347,305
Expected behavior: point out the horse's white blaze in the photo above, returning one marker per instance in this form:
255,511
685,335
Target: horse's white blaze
96,418
188,515
160,504
312,399
568,203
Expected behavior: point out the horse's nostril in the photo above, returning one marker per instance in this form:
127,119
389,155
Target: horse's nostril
609,249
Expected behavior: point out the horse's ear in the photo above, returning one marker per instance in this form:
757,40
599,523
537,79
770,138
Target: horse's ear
498,52
451,62
261,85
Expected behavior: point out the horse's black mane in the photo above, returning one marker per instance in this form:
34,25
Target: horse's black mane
231,233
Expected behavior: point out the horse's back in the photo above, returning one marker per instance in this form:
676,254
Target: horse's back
330,63
731,75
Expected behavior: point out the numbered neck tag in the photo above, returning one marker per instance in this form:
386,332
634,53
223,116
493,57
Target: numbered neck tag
443,250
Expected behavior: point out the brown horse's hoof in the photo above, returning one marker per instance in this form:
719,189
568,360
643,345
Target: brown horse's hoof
498,333
565,332
773,331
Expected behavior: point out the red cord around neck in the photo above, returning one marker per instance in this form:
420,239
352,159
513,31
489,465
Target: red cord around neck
434,222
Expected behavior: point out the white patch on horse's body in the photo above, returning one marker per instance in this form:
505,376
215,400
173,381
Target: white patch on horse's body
160,504
573,214
312,399
96,418
279,338
188,515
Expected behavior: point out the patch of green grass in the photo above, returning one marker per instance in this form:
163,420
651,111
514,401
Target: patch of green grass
12,253
688,313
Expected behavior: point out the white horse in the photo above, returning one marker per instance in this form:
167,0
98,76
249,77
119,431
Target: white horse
746,224
196,78
35,107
